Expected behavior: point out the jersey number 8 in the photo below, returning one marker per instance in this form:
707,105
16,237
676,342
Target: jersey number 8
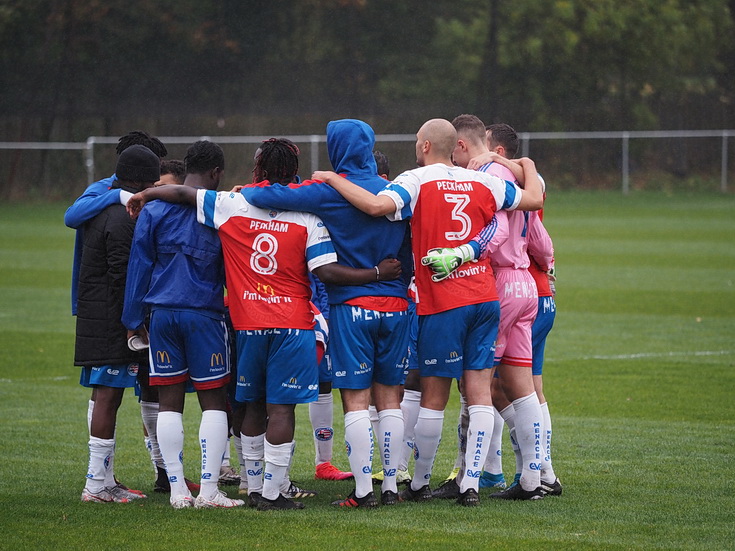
263,260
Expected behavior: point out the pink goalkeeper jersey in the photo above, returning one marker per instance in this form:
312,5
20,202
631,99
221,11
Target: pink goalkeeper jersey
517,231
447,206
267,257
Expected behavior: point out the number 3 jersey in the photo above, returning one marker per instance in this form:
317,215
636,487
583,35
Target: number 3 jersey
267,255
448,205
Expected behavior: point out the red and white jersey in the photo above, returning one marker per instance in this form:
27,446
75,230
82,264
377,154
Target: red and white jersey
447,206
267,255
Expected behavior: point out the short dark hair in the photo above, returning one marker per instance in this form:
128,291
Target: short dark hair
277,160
175,168
382,161
139,137
503,134
202,156
470,126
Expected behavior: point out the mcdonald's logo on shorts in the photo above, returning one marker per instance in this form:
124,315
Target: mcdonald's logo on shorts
162,357
453,354
216,359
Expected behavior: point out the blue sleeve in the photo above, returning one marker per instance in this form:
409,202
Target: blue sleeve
481,242
319,295
140,271
96,198
300,197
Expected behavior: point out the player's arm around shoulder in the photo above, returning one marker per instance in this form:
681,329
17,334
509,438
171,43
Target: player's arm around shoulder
306,196
171,193
360,198
533,194
96,198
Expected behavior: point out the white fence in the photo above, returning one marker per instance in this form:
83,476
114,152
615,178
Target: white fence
315,141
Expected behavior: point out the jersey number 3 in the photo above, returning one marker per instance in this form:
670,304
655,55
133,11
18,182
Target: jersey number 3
460,201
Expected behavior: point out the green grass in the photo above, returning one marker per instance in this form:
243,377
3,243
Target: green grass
639,377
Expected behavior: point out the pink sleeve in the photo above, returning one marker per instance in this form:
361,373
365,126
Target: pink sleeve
540,247
499,236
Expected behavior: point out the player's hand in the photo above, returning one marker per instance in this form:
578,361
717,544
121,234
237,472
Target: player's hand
445,260
489,157
236,189
390,269
323,175
486,158
135,204
442,261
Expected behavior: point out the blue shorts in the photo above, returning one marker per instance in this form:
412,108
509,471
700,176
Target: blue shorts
367,346
115,376
187,345
277,366
540,330
459,339
413,334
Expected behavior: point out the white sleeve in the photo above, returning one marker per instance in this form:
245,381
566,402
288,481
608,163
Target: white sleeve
215,208
404,191
319,247
125,197
507,194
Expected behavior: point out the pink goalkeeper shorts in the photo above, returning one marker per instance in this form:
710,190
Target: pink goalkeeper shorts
518,307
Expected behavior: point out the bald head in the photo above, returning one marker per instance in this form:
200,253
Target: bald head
441,137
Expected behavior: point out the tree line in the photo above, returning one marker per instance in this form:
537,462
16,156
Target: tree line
74,68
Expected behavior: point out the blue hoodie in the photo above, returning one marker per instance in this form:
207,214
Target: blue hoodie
361,241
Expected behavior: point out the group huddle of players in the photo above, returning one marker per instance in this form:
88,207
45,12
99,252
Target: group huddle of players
273,293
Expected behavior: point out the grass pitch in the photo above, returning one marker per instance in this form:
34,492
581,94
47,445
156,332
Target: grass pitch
639,378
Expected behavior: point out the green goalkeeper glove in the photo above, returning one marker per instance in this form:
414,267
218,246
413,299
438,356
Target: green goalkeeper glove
444,261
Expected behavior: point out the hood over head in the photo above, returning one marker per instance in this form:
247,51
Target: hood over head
350,144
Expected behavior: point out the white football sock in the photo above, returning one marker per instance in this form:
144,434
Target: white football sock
149,414
286,482
277,459
547,471
243,471
462,424
390,439
528,432
170,428
374,419
321,415
359,440
509,416
426,442
479,432
226,455
494,461
110,471
253,453
213,441
410,406
99,452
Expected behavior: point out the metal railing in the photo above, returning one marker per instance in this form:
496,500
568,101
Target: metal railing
314,141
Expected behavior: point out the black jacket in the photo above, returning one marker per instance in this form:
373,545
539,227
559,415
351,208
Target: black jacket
101,338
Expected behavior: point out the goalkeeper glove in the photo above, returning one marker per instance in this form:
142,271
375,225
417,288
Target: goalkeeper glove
551,274
444,261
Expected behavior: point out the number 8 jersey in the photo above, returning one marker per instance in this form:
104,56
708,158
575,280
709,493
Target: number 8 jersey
267,255
448,205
